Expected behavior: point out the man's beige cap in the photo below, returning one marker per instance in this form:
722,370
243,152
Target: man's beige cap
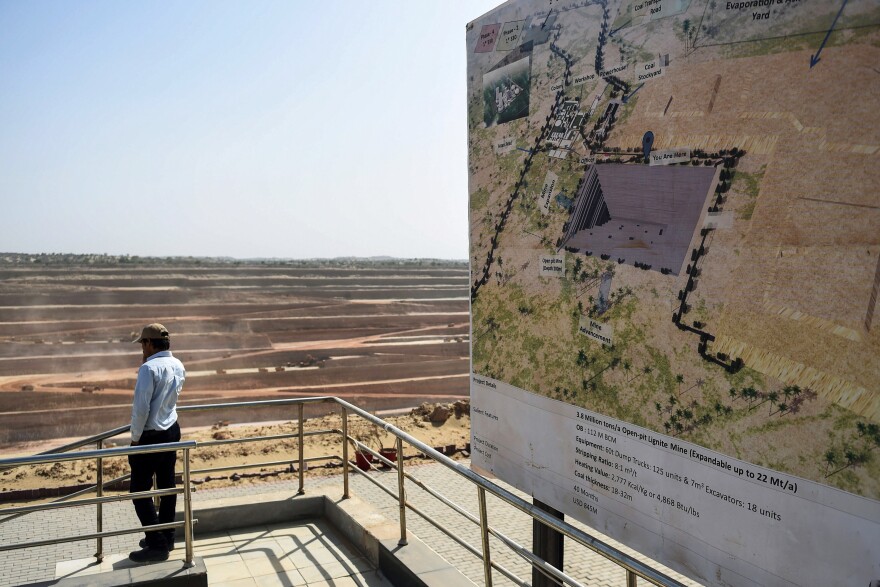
154,330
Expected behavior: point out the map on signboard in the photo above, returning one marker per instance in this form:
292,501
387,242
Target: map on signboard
705,174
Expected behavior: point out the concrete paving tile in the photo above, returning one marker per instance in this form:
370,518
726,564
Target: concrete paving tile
227,572
219,560
283,579
297,541
340,582
327,539
313,555
254,533
261,550
76,567
370,579
289,546
304,531
287,563
214,551
283,527
259,567
245,582
328,571
293,546
338,544
265,542
212,539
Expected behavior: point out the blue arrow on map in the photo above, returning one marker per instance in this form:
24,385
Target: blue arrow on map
814,59
631,94
611,34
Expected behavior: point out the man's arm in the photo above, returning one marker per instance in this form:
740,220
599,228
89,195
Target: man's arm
140,407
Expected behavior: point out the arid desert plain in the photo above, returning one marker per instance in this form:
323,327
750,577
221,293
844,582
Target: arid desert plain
382,334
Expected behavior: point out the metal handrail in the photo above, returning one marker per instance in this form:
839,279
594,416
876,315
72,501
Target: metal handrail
531,558
77,444
120,451
634,568
100,454
27,509
263,403
458,509
629,563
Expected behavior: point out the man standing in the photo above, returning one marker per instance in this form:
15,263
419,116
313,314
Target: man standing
154,421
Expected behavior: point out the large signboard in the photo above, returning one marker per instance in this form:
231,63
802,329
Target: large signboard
675,253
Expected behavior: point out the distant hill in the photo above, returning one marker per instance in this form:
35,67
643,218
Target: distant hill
69,259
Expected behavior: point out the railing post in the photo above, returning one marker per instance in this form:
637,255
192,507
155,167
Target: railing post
484,531
344,454
99,553
187,512
631,579
401,493
302,448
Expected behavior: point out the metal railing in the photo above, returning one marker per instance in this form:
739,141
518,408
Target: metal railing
634,568
99,455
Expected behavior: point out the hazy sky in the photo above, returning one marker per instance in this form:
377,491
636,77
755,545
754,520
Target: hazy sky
246,129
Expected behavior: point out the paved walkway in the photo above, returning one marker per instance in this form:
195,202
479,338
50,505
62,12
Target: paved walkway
24,566
309,554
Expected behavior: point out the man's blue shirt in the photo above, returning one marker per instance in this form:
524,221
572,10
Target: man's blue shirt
159,382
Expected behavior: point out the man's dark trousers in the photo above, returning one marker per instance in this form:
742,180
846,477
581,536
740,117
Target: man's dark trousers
143,467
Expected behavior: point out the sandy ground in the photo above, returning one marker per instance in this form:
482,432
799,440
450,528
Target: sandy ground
454,431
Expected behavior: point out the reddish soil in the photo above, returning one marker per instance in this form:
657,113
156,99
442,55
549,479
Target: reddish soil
383,338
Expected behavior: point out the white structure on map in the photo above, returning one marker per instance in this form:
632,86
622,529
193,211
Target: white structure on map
566,128
505,95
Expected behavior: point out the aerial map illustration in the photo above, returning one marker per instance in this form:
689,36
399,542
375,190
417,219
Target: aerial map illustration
675,220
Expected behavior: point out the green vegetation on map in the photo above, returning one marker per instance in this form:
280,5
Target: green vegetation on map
747,184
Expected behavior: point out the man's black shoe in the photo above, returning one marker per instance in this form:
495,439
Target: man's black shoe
148,555
143,544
